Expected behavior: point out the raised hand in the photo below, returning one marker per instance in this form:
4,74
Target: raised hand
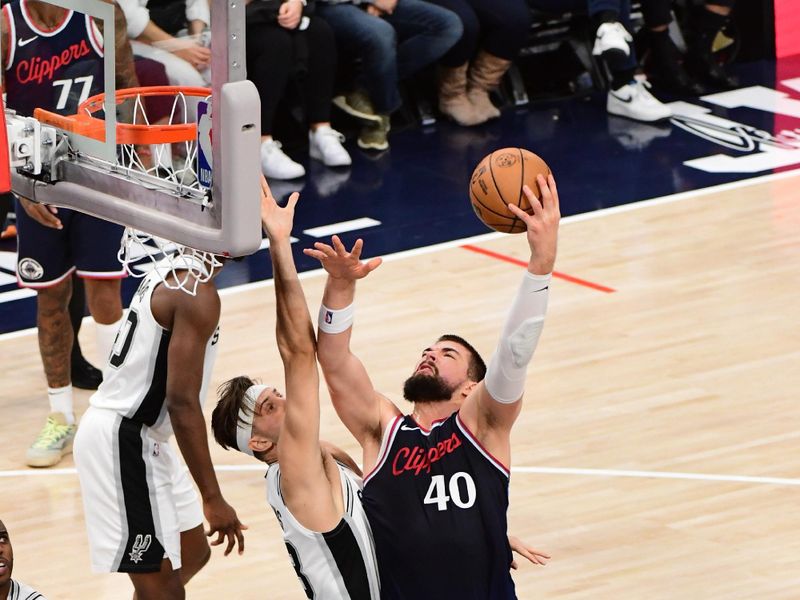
341,264
276,221
542,225
223,521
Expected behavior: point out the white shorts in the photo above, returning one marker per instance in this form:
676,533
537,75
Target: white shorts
137,496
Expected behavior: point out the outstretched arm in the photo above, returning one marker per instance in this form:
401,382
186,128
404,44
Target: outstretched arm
494,405
361,408
304,483
193,323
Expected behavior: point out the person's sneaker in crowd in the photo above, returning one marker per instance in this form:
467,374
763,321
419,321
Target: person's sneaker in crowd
357,104
635,101
612,41
84,375
325,144
54,441
374,136
276,165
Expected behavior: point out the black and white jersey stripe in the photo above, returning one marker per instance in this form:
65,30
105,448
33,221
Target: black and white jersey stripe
20,591
335,565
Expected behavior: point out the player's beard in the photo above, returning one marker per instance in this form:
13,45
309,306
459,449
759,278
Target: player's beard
422,387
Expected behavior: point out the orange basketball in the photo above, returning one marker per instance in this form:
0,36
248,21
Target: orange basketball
497,181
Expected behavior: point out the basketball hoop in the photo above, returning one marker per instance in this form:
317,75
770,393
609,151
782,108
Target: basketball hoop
144,153
179,267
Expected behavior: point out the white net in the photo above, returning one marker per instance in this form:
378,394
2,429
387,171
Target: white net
179,267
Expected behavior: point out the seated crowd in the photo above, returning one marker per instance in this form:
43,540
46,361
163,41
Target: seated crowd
354,54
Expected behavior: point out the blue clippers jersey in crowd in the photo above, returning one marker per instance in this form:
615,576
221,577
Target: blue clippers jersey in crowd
437,505
55,70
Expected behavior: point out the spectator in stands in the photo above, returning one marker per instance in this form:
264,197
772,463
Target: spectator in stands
285,39
699,70
9,588
493,34
184,57
393,39
628,97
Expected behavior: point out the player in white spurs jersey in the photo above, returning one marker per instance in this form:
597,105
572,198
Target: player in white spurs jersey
142,512
11,589
312,487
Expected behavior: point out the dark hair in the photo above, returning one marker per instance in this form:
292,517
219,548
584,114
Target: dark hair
477,368
225,417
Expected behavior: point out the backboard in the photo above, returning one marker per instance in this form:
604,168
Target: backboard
209,202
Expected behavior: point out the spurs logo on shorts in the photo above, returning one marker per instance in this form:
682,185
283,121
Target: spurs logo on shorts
140,546
30,269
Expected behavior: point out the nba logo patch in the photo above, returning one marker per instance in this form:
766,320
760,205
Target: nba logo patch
328,317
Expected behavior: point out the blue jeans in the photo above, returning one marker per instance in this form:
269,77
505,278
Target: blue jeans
392,47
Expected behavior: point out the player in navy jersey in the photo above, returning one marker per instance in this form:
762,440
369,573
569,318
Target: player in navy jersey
436,489
53,58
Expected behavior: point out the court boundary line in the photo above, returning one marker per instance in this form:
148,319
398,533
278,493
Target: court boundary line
710,477
595,214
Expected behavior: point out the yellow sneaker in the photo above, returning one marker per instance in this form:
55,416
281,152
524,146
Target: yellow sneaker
53,442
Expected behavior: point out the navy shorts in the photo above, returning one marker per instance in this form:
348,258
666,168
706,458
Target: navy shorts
47,256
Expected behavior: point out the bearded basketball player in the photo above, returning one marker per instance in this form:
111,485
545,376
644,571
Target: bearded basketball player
436,489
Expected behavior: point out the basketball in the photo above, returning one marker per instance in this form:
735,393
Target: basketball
497,181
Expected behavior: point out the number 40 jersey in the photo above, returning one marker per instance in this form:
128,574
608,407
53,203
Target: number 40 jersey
437,504
55,69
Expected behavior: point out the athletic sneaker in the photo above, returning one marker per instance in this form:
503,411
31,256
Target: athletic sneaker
357,104
373,136
54,441
634,101
325,144
612,40
276,165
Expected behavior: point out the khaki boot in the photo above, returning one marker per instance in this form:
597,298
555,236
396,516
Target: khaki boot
485,74
453,100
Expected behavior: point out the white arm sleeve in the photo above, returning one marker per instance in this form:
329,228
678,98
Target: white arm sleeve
505,375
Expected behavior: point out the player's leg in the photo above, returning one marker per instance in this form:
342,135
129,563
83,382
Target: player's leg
131,519
163,585
44,264
195,551
84,375
94,244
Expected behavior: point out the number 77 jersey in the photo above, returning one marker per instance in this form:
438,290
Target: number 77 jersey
56,68
437,504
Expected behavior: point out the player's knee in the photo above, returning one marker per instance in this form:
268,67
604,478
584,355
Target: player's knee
104,300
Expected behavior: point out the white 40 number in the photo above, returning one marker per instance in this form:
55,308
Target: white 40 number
437,494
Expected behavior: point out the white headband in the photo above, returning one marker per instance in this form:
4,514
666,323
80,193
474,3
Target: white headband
244,425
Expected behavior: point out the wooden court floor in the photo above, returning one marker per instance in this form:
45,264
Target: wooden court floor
657,453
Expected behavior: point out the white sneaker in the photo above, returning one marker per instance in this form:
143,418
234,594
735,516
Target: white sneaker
634,101
325,144
612,38
276,165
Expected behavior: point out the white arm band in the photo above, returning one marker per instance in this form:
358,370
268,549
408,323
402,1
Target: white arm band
505,375
335,321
